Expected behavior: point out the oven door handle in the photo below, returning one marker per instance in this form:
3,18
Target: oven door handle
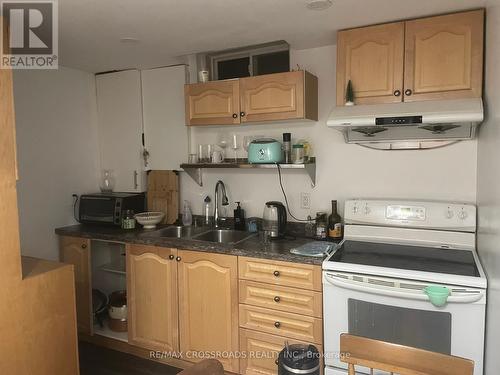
398,292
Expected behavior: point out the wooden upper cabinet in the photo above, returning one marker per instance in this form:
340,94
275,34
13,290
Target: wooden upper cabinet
444,57
279,96
213,103
208,304
76,251
429,58
152,297
372,58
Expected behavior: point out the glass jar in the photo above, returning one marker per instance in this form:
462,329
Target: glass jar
321,225
128,220
298,154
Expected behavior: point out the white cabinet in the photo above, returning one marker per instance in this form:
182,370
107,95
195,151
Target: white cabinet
119,110
166,136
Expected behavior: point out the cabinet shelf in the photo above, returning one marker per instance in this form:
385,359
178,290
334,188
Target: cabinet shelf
195,170
114,267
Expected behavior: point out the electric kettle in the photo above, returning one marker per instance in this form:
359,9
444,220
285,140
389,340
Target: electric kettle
274,220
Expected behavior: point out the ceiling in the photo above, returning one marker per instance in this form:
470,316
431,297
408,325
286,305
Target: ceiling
90,30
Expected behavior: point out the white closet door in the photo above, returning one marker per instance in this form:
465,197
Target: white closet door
120,128
166,134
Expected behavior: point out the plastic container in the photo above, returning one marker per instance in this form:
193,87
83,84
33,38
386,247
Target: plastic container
187,216
438,295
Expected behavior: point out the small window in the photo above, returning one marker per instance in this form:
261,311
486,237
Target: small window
250,61
236,68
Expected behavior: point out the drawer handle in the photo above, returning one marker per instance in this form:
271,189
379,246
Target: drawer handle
171,257
277,299
277,324
276,273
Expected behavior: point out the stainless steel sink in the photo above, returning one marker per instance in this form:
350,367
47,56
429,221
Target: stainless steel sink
177,232
226,236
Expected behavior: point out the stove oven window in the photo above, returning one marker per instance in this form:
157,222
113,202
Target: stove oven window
429,330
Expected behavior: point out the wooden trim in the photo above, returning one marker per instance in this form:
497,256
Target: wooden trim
394,358
310,96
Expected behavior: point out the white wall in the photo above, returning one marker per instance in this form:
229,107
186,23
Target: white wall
343,171
488,191
57,151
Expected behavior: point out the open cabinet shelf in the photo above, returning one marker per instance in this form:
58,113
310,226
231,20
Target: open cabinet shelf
107,332
195,171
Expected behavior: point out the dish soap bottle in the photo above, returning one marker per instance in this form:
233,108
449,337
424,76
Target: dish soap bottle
239,217
207,209
187,217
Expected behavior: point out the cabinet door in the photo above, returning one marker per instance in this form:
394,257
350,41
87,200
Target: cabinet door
208,304
372,58
119,112
272,97
444,57
165,134
76,251
152,297
262,352
212,103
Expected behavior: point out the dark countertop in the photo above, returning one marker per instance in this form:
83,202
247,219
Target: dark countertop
251,247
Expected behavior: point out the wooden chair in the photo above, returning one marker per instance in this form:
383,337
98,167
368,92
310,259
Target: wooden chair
399,359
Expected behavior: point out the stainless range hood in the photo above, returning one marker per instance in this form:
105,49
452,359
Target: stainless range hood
414,125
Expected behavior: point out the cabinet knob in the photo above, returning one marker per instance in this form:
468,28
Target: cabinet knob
397,93
235,115
277,324
408,92
171,257
276,361
242,114
276,273
277,299
178,259
84,246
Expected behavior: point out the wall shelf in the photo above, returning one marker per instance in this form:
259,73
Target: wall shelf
195,171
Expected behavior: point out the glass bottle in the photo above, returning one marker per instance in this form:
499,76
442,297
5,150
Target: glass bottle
334,224
321,225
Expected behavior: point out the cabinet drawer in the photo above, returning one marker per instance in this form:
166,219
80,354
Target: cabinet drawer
261,352
282,298
297,275
280,323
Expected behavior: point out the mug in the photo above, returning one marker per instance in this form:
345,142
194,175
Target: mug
217,157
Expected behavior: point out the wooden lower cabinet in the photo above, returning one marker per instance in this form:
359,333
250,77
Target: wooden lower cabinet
260,352
152,297
76,251
208,306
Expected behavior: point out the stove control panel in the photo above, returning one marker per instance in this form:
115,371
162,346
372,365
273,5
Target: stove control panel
411,214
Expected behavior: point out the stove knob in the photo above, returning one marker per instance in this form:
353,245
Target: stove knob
367,210
355,210
462,215
449,214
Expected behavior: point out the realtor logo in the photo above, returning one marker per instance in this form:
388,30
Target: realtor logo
32,35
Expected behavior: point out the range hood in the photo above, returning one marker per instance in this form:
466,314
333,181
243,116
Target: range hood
414,125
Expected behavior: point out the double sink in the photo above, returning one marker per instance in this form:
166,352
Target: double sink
224,236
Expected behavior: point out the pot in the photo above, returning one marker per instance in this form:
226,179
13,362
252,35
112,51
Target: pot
117,308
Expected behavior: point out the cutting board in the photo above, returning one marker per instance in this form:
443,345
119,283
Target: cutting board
163,194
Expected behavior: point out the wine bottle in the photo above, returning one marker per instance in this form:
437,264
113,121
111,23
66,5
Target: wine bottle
334,223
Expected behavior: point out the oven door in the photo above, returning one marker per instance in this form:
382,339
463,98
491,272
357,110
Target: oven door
398,311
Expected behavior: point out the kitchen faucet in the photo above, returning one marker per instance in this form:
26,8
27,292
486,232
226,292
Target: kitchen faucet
225,201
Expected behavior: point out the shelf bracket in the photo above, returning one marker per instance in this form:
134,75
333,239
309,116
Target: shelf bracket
311,171
196,174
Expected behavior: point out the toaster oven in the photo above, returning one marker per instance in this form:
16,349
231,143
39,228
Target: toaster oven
108,208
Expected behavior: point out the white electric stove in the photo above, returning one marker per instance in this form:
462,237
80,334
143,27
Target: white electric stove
374,280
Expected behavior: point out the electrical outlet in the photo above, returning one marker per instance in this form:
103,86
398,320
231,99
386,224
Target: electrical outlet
305,200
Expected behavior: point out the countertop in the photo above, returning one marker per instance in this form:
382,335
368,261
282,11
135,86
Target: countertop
251,247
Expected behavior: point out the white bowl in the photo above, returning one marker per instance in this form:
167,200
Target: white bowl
149,219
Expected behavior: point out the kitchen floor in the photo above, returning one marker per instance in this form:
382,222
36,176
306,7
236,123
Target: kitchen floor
96,360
